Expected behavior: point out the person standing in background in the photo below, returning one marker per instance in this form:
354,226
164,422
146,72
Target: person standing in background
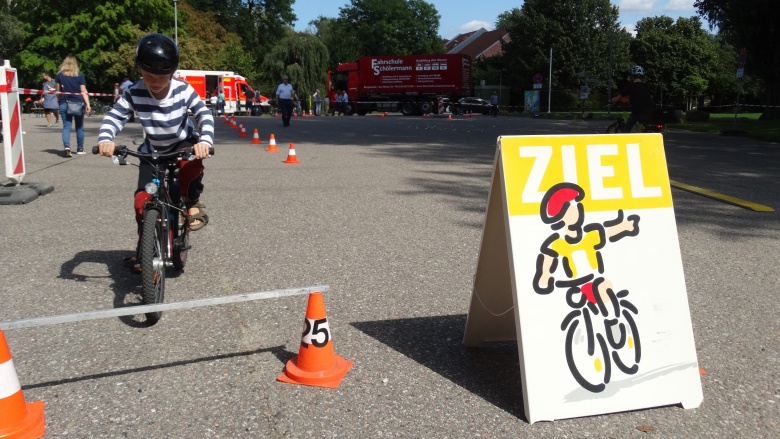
285,94
74,86
117,93
126,84
50,105
317,103
221,101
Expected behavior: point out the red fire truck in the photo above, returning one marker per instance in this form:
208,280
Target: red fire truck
411,84
232,84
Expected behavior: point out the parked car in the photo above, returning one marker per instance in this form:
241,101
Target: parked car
473,105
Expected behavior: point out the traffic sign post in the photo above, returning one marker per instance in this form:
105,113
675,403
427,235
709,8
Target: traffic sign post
741,59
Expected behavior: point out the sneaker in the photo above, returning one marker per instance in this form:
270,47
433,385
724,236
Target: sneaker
67,153
48,125
80,152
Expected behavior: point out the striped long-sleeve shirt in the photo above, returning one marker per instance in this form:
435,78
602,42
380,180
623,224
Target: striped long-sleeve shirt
164,121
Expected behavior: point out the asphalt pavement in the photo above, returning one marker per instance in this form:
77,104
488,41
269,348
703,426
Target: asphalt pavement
388,212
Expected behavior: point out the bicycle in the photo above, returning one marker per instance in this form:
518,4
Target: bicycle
641,127
165,231
616,336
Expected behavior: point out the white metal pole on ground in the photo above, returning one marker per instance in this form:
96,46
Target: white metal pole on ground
143,309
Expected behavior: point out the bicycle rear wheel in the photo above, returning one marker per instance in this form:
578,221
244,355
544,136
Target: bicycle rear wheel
153,262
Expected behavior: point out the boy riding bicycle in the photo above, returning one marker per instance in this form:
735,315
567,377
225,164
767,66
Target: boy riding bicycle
639,94
161,103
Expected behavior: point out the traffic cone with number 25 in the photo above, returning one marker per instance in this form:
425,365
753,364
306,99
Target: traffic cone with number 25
316,363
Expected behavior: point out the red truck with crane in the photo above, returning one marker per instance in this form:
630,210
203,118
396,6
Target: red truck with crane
411,84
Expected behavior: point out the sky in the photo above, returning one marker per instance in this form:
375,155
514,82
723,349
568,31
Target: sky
460,16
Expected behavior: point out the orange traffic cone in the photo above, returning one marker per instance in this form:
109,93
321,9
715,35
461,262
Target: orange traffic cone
292,159
18,419
242,133
272,145
256,138
233,122
316,363
449,117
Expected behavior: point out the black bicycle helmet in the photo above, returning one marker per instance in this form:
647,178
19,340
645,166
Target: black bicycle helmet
636,71
158,54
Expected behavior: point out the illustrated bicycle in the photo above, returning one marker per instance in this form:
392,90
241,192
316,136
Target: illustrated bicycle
164,240
600,335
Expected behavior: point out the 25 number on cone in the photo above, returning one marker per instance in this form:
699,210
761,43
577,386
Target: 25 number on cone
315,332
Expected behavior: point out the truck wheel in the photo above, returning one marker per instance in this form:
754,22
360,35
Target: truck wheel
426,107
407,109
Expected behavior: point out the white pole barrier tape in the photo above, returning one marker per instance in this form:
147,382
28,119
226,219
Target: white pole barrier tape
13,145
142,309
33,91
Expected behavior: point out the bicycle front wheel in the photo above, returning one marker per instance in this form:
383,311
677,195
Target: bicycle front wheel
612,129
153,262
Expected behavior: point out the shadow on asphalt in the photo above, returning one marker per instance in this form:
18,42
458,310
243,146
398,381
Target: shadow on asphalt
491,372
126,285
274,350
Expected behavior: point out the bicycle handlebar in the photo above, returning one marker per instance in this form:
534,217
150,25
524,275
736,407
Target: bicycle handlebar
124,150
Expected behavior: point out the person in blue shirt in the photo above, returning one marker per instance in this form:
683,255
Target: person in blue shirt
73,93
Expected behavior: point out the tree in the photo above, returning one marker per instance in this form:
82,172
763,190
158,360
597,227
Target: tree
579,33
303,57
389,27
11,32
259,23
342,47
100,34
103,35
693,86
751,24
671,51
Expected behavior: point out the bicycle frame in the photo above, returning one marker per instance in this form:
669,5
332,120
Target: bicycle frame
164,233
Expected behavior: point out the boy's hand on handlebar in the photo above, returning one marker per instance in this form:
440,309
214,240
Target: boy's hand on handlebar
106,149
201,150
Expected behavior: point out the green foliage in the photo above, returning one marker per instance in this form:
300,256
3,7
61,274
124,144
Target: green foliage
258,23
303,57
579,34
342,47
671,51
99,34
750,24
388,27
11,32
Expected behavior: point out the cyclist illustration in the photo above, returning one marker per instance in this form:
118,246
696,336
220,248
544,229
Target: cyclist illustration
600,329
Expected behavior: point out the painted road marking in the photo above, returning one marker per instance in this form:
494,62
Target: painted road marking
721,197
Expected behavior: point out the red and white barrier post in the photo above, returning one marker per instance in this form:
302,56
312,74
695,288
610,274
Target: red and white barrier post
12,124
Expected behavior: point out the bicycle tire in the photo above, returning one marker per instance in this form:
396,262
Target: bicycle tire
594,378
612,129
153,262
181,241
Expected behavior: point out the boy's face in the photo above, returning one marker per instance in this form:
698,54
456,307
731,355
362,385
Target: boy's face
156,83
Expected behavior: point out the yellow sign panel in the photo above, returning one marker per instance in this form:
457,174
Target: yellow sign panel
630,168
